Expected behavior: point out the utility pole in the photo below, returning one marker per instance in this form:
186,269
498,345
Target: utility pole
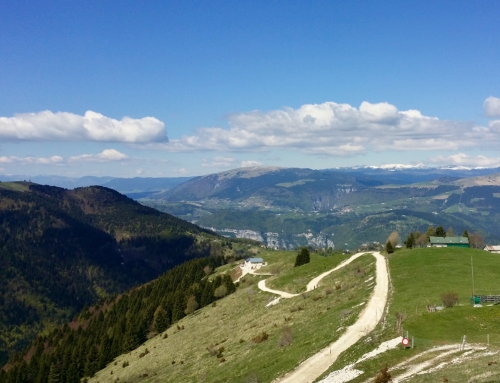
472,272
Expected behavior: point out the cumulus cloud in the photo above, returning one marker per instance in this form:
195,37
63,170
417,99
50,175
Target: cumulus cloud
336,130
218,162
492,106
92,126
107,155
249,164
462,159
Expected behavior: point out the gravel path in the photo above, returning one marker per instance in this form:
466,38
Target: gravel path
310,369
283,294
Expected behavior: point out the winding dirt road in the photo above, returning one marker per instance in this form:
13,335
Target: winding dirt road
313,367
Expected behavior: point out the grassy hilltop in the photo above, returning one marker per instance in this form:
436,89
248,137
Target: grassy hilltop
226,342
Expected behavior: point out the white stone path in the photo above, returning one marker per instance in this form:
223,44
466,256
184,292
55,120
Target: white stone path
316,365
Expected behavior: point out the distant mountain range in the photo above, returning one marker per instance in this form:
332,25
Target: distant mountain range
338,207
141,187
137,187
287,207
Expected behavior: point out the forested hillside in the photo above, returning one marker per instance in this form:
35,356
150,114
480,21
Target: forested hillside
119,325
62,250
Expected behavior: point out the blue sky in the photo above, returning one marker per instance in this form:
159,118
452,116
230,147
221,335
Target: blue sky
164,88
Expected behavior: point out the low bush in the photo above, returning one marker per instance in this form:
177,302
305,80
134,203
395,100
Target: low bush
383,376
260,338
449,299
286,338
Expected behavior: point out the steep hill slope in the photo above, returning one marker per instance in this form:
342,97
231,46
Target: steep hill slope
226,342
120,325
63,249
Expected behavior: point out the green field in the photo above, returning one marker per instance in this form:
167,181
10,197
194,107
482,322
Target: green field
15,186
419,278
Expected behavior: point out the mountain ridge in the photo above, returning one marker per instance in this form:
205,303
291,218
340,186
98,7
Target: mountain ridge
63,249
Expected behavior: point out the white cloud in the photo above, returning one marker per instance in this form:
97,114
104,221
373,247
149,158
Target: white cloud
249,164
492,106
335,130
107,155
181,171
92,126
14,160
479,161
218,162
494,126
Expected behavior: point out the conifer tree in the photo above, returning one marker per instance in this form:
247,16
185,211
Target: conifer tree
388,247
303,257
410,241
91,361
440,232
54,376
161,322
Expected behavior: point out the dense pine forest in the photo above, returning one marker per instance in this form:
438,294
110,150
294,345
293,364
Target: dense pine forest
62,250
119,325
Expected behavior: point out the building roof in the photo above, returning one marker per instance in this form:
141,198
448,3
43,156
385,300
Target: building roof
254,260
492,248
449,240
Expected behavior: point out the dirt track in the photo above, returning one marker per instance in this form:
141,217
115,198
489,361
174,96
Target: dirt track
313,367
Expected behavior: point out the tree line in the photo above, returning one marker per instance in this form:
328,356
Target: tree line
420,239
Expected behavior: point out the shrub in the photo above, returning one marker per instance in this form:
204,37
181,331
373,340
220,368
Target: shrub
383,376
286,338
220,292
125,364
345,313
191,306
449,299
260,338
219,352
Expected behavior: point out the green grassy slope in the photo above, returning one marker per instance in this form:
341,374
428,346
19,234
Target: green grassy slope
311,321
419,278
